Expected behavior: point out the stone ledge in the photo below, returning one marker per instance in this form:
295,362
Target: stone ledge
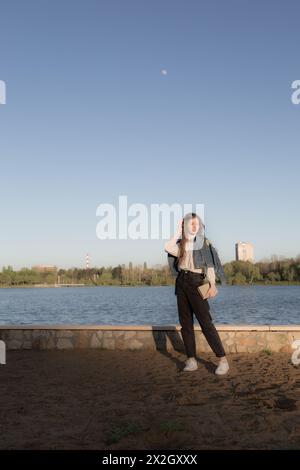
235,338
220,327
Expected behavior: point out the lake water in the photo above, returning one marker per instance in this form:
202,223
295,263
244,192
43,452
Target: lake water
116,305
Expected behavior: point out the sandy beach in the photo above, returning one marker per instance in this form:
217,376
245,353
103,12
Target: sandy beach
101,399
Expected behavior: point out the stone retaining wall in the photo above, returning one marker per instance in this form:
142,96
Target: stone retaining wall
235,338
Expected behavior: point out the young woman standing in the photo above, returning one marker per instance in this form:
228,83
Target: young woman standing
190,257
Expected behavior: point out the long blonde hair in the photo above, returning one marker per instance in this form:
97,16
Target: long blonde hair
184,239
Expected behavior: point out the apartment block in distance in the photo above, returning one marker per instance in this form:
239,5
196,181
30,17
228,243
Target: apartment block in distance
244,251
44,268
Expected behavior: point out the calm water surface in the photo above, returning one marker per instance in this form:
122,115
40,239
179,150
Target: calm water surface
145,305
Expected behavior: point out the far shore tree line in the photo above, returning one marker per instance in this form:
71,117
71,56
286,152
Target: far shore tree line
277,270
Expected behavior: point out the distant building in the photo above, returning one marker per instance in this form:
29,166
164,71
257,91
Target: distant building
44,268
157,266
244,251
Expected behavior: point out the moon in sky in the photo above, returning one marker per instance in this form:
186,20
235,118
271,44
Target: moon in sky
163,71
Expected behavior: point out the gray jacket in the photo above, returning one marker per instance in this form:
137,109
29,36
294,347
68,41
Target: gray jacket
205,256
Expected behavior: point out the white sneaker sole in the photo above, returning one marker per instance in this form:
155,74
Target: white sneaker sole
222,372
190,369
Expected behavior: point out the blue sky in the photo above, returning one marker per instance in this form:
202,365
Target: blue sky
89,117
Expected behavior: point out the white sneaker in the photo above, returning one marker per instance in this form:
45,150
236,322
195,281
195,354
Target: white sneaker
223,367
191,364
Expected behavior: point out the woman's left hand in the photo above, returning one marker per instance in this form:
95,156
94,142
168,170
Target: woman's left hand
212,291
